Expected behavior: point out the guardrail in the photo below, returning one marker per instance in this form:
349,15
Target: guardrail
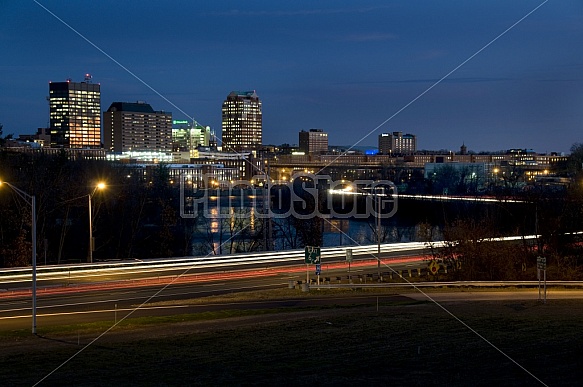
451,284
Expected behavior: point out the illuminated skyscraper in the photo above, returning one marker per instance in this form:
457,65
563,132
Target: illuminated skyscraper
242,122
75,114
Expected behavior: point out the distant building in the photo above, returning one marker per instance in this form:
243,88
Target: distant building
187,136
75,114
195,176
244,163
397,143
34,148
463,150
213,142
241,122
314,141
469,171
136,127
42,137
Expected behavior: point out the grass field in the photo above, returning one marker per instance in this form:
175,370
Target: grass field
403,343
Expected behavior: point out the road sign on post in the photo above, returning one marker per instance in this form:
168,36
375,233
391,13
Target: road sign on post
312,255
433,267
318,269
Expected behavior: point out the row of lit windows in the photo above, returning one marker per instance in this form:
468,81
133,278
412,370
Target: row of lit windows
240,108
139,137
245,131
77,109
83,92
77,116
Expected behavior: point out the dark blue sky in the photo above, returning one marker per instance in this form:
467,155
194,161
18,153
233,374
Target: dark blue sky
344,66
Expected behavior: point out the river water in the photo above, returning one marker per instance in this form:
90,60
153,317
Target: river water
235,223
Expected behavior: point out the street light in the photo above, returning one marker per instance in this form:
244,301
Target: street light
100,186
32,201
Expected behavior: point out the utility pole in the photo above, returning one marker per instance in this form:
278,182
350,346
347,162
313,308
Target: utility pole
378,235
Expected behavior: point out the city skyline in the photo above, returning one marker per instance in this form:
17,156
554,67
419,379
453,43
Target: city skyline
525,90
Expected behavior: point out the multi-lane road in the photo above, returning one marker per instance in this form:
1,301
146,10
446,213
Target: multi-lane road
108,291
67,307
65,275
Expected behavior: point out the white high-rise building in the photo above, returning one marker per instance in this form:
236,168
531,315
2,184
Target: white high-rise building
241,122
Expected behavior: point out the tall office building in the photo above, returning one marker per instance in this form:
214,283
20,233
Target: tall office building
187,136
397,143
315,141
75,114
242,122
136,127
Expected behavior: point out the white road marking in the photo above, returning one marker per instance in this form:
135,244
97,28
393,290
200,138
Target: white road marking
95,311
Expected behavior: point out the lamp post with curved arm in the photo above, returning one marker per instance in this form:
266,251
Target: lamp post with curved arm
99,186
30,199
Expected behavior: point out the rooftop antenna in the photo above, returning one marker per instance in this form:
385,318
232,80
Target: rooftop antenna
88,78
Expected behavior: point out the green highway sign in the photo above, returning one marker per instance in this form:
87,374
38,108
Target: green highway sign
312,255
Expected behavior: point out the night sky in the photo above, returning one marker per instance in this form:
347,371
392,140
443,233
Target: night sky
343,66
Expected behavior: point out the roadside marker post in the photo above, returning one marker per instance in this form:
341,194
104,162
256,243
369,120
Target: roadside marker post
349,260
541,264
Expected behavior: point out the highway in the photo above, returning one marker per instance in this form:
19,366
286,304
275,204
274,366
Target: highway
111,304
114,303
87,293
108,291
66,275
88,306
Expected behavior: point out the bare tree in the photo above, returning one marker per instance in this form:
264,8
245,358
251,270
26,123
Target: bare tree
472,254
428,234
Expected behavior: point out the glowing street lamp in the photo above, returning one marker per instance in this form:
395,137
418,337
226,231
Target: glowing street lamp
32,201
100,186
496,170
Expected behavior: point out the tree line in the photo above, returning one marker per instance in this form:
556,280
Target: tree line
135,218
132,217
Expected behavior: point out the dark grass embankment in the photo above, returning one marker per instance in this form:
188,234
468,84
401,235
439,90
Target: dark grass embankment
402,344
